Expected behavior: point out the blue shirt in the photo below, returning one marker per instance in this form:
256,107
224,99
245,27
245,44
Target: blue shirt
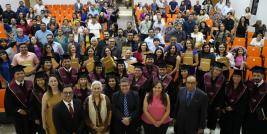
41,36
23,9
23,39
189,27
5,72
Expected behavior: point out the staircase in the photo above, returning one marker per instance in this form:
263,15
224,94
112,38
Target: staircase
125,16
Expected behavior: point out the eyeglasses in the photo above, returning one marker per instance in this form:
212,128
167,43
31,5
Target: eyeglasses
68,93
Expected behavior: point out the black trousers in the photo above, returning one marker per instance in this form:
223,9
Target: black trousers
38,129
151,129
119,128
230,123
213,115
23,124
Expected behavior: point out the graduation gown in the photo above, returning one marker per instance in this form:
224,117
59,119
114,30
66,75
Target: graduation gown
35,109
68,78
93,77
150,71
16,98
141,85
237,99
255,122
214,90
81,94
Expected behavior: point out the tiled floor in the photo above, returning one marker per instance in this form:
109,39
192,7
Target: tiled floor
9,129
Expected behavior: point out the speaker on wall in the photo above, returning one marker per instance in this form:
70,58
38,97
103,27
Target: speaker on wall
254,7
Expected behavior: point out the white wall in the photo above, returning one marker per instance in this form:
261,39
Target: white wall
261,12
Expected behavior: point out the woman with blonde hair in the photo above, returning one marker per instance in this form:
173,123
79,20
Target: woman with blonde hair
97,110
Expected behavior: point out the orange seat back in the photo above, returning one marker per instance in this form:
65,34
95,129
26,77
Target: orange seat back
253,61
2,99
253,51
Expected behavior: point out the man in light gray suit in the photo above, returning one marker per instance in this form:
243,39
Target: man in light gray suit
191,109
78,6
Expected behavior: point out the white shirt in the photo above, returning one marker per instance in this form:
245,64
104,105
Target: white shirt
18,83
226,9
57,48
199,37
67,104
38,8
219,6
95,29
46,20
256,43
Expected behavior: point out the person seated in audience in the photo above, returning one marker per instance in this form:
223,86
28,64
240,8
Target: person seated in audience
241,29
198,38
203,16
21,38
240,57
258,41
259,28
229,22
26,58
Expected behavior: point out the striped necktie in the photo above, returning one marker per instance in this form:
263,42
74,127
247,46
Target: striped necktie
125,106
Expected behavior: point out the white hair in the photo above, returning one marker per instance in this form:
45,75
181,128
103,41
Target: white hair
96,82
93,38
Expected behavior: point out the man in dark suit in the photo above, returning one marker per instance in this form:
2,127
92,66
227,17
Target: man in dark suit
191,109
125,109
67,114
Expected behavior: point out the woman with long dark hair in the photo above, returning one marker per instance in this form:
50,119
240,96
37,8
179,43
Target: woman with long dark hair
121,68
141,52
206,57
112,85
235,104
49,52
241,29
50,98
159,56
35,47
156,110
224,57
98,73
5,65
189,49
40,87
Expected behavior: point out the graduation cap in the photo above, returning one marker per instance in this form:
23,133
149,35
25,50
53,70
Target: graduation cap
40,74
98,64
120,61
258,69
218,64
162,65
17,68
82,75
237,72
184,67
66,56
112,75
149,55
138,65
47,58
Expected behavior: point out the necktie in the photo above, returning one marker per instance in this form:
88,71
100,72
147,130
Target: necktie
188,98
125,106
71,110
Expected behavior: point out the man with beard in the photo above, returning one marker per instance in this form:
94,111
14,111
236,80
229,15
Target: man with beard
130,41
67,74
55,45
256,119
102,44
120,39
129,29
42,33
150,70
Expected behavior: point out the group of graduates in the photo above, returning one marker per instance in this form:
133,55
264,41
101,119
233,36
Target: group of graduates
64,100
